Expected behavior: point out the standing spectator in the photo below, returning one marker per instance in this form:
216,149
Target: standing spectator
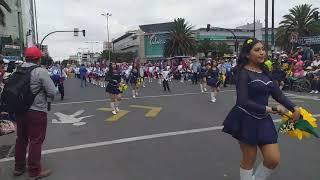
83,73
298,68
2,71
32,126
11,67
195,70
307,55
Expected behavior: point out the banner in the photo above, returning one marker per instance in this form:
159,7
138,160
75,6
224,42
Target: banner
312,40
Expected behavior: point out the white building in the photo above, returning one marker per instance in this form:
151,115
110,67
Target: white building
129,42
148,42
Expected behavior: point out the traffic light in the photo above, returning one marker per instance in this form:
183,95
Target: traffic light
316,15
208,27
84,33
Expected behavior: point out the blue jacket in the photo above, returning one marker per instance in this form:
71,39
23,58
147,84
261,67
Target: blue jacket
83,71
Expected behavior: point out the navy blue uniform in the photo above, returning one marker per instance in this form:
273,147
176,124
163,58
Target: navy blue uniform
213,77
114,81
203,72
248,121
134,75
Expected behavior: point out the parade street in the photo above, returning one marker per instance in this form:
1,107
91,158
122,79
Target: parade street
157,136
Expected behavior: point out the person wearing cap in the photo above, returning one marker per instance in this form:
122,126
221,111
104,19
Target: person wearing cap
31,127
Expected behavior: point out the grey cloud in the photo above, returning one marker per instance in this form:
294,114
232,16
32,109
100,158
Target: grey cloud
129,14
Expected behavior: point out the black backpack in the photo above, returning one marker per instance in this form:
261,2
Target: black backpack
16,94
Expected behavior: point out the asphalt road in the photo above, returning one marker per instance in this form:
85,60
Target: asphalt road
182,140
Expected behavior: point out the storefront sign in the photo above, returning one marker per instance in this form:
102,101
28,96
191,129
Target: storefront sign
312,40
154,44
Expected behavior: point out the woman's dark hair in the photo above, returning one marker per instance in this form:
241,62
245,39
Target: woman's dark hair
110,72
245,51
11,67
214,62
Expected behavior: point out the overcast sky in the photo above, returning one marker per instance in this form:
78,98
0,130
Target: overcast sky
129,14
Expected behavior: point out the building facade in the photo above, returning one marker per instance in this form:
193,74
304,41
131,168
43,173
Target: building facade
129,42
150,39
20,28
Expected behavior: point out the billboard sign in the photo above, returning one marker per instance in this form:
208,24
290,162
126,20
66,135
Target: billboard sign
154,44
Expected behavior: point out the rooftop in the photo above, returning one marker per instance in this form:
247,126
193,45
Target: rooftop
123,36
160,27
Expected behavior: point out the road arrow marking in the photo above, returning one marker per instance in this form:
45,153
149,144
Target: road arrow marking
116,117
70,119
153,111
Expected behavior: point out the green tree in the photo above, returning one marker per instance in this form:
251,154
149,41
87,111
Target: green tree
206,46
223,48
181,41
299,19
2,15
118,57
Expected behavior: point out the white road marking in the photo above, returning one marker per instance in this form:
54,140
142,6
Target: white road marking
315,98
142,97
70,119
132,139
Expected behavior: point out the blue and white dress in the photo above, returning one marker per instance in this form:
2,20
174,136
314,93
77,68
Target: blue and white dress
248,120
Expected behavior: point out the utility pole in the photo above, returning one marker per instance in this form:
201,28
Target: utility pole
272,36
36,22
254,18
266,34
20,28
109,50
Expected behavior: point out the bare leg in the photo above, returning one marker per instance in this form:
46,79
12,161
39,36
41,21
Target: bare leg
249,154
271,156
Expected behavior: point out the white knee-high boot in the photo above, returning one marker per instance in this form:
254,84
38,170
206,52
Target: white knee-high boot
201,87
213,97
112,105
134,93
117,106
246,174
262,172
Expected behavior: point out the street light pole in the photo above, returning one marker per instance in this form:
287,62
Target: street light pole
254,18
272,35
36,22
108,15
266,34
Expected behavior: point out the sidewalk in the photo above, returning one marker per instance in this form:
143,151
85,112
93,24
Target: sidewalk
7,143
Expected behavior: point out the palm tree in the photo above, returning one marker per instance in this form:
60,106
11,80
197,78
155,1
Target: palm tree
2,15
181,41
300,19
